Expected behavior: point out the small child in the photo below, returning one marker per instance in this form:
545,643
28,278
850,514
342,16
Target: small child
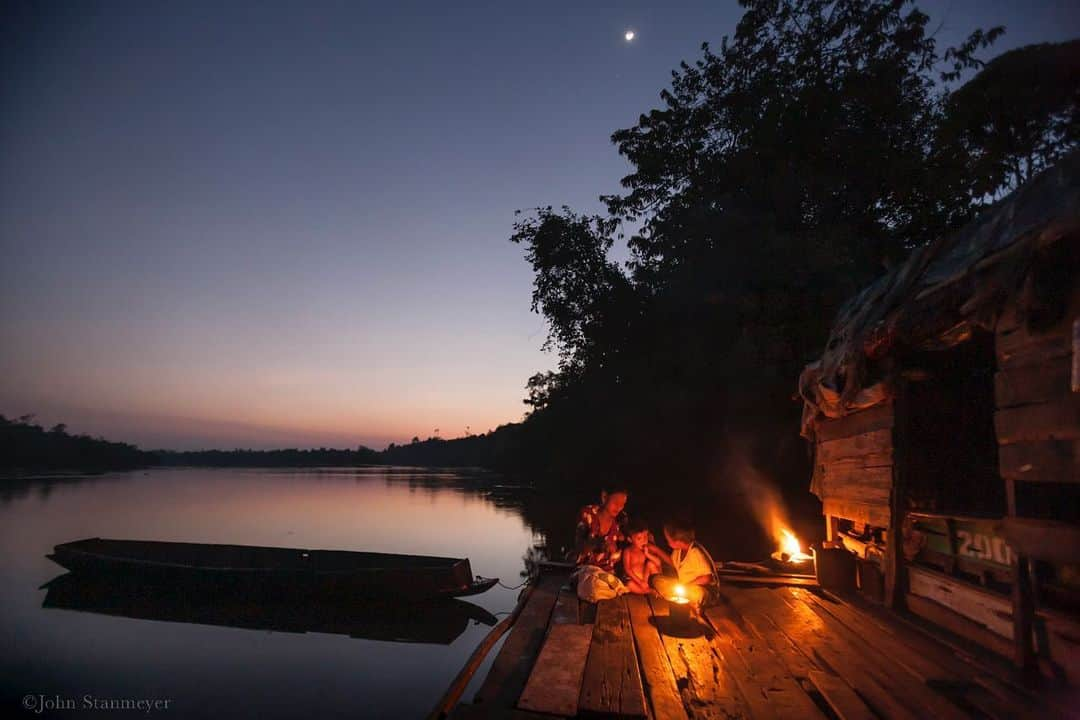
694,569
639,561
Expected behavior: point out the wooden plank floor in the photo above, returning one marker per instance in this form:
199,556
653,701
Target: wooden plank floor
763,652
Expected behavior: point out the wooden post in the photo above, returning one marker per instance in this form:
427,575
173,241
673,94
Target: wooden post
950,564
1023,608
894,542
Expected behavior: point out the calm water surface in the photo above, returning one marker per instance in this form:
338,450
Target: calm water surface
209,670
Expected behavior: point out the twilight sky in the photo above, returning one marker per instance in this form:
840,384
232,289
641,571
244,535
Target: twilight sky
285,224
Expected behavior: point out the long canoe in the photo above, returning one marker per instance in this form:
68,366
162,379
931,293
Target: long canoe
289,571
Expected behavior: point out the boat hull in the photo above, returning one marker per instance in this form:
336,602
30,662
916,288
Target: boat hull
271,572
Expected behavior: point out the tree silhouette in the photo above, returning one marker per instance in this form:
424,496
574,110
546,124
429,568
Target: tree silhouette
1015,118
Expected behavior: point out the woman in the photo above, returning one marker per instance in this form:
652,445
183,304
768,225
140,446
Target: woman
601,530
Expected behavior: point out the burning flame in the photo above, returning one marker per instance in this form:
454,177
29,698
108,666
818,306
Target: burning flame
679,596
790,550
763,499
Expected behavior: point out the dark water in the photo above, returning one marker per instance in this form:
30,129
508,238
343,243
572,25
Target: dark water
211,668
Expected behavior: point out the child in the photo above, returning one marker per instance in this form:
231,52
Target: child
694,568
639,560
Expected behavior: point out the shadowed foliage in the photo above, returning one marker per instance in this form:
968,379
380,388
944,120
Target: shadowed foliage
26,445
781,172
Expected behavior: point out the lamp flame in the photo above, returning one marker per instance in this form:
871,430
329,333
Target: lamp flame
678,596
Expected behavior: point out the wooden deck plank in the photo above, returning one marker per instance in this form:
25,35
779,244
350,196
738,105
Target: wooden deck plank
847,667
511,668
751,621
919,638
762,678
982,670
921,667
998,709
780,652
753,693
554,684
612,682
907,687
566,608
841,698
808,632
760,606
798,664
659,680
707,690
1050,703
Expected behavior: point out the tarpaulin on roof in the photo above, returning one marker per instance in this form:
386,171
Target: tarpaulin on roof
942,290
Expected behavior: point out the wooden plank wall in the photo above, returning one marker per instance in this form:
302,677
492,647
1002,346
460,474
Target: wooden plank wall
853,465
1038,430
1038,414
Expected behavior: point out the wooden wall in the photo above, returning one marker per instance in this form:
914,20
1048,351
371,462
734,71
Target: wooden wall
862,464
853,465
1038,430
1038,414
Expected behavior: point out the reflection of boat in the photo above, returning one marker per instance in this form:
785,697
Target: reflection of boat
337,573
435,621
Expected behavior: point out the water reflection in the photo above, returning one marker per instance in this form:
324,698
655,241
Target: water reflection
490,487
437,623
20,487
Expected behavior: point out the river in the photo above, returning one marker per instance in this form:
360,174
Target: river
68,647
66,660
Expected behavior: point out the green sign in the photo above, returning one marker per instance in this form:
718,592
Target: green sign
968,538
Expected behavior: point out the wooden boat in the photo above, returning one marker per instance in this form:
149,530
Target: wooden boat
262,570
437,622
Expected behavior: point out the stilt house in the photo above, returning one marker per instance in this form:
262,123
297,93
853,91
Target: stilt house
944,416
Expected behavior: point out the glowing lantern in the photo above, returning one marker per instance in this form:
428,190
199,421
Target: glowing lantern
680,605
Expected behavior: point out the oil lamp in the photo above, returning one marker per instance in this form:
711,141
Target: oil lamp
680,604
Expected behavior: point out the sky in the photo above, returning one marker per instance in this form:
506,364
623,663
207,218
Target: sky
286,224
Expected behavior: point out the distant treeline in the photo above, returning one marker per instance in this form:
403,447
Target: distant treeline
494,450
24,445
27,446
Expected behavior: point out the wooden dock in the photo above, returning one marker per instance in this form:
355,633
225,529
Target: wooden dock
770,651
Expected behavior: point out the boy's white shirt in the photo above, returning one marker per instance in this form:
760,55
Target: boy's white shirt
691,565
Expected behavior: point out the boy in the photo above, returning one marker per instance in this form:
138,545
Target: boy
639,560
694,568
